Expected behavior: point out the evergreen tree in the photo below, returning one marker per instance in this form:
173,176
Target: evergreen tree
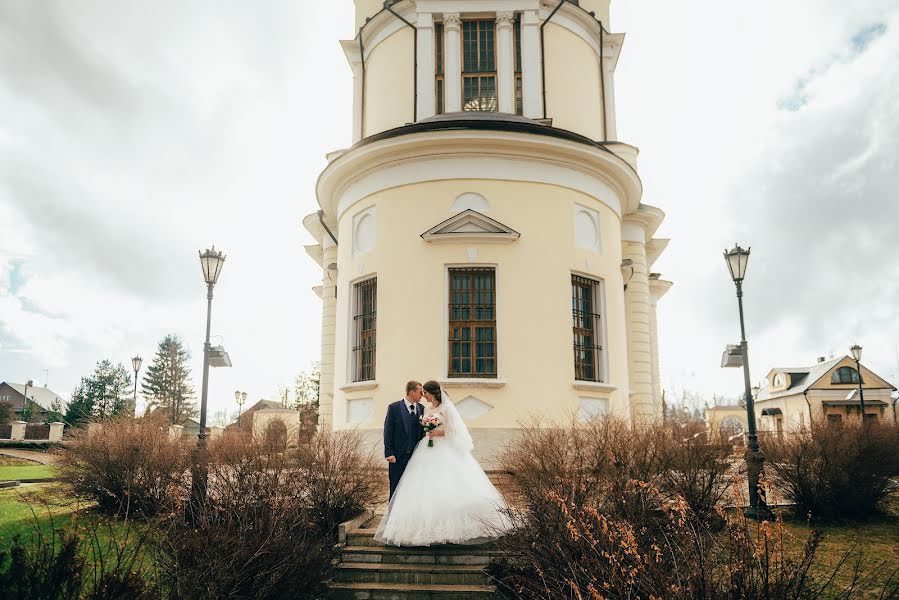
103,394
167,381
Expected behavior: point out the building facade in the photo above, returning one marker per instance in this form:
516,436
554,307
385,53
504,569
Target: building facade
486,228
794,397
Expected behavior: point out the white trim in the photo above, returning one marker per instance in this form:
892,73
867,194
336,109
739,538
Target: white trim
475,6
359,386
531,80
593,386
490,168
452,62
472,382
451,231
633,232
595,218
427,70
505,61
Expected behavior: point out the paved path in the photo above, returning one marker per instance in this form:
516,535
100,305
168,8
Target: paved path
45,458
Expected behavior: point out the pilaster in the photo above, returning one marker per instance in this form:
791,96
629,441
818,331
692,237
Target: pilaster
657,289
329,326
427,105
452,37
639,341
531,82
505,64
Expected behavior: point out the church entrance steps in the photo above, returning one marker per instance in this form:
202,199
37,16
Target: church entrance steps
367,570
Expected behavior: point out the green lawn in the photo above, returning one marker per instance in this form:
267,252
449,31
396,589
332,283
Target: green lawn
27,471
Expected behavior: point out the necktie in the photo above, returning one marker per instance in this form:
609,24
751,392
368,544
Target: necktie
412,409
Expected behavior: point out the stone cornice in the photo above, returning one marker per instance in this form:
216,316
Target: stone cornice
648,217
365,159
654,249
658,288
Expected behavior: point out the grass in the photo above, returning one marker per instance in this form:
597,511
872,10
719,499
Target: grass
16,469
28,509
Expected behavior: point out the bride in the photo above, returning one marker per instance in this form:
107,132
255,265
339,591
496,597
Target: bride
444,496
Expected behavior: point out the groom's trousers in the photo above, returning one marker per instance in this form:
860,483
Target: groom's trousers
395,470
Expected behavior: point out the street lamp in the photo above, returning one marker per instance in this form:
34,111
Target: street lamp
240,398
737,260
135,364
857,355
211,260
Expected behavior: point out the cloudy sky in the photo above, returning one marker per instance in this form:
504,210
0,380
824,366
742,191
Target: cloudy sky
133,134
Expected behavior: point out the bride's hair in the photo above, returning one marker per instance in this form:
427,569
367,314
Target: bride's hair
433,388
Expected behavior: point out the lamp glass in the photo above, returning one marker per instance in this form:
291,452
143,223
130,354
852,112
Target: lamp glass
243,396
237,396
737,259
136,362
856,352
211,261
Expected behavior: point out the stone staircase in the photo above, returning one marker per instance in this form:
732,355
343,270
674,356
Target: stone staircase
368,570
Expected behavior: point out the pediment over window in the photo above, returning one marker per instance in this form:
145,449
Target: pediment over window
470,227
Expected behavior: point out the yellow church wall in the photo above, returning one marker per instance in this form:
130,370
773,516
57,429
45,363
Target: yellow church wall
572,83
535,357
366,9
601,8
389,77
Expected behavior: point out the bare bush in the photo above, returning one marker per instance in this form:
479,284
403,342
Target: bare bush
127,466
835,471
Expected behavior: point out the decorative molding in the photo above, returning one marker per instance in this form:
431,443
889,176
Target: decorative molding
594,386
472,382
470,227
505,19
452,22
359,386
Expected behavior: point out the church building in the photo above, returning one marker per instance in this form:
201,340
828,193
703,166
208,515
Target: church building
486,228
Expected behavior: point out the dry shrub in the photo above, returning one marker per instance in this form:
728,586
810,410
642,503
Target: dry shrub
835,471
127,466
267,528
694,467
599,515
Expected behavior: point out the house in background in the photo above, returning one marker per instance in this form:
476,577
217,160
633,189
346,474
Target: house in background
43,399
794,397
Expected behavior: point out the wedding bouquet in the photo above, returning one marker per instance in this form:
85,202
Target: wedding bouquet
429,424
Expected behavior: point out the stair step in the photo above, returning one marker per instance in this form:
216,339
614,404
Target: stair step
400,591
443,555
365,537
411,574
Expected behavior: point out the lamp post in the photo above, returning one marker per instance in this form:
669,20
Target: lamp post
240,398
857,355
211,261
737,260
135,364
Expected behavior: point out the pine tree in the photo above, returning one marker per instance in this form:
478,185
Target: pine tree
82,405
167,382
103,394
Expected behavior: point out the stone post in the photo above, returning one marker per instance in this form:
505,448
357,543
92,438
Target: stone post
56,431
175,432
18,431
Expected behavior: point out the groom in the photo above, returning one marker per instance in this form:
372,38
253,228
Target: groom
402,431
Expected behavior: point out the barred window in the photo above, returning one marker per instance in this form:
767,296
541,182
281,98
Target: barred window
587,329
519,98
472,322
439,66
479,65
365,329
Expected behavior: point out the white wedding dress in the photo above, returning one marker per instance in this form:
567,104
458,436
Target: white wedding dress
444,496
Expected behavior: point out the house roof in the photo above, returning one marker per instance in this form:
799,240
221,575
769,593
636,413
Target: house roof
801,379
42,396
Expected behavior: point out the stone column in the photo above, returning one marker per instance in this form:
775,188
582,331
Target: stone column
427,103
329,325
56,429
18,431
611,129
639,347
531,76
505,61
452,77
657,289
176,432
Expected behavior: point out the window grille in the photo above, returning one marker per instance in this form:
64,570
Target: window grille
479,65
587,329
472,323
365,329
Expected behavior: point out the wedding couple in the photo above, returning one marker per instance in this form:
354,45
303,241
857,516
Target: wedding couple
439,494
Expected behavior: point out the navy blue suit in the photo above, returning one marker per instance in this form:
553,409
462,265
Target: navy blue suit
402,432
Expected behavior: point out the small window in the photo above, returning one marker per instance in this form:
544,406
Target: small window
439,67
587,329
472,323
844,375
479,65
365,330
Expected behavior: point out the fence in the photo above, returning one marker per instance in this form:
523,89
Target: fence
5,432
37,432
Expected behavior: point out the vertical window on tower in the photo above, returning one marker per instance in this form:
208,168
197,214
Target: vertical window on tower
472,322
438,64
587,329
364,329
479,65
519,102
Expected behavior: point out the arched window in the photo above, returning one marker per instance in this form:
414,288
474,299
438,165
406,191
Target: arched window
844,375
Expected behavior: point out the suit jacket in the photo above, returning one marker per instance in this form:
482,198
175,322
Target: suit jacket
402,431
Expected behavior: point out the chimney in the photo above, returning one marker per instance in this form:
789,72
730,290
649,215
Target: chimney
821,359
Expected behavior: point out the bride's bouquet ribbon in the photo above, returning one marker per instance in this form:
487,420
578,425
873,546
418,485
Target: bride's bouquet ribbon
429,424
